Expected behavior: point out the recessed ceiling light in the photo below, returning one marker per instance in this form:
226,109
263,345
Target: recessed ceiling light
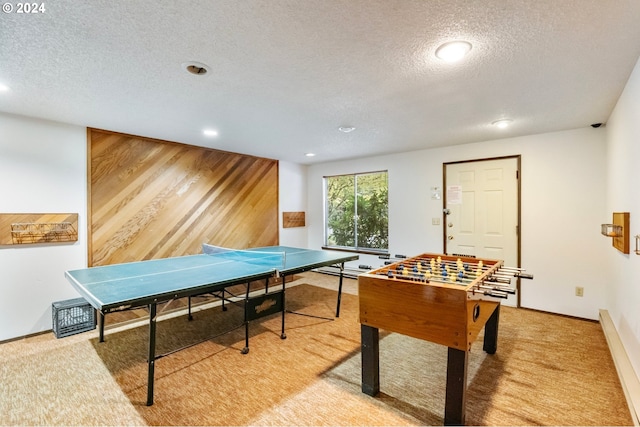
310,154
453,51
210,132
346,129
195,68
502,123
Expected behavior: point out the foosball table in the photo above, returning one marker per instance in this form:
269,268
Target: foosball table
438,298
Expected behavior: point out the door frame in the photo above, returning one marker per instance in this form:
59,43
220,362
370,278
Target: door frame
518,158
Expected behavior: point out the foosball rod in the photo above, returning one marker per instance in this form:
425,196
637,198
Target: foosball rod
423,278
493,280
502,273
438,277
472,269
452,278
506,289
392,259
494,293
516,272
399,258
442,261
499,291
508,277
468,276
417,265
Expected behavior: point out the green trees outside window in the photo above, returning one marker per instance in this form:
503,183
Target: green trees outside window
357,211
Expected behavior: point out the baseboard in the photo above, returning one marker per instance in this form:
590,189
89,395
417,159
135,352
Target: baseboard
22,337
626,373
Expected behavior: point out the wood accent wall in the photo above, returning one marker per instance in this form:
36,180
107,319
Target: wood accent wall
153,199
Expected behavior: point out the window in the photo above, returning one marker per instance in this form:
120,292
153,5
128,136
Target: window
357,211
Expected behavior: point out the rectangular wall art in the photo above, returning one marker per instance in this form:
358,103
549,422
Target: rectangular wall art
29,228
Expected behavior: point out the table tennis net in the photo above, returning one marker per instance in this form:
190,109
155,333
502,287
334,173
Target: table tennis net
275,260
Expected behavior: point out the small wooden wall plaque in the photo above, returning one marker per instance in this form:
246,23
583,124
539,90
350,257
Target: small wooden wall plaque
293,219
25,228
621,243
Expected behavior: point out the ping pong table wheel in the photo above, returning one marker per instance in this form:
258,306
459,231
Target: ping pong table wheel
245,350
224,308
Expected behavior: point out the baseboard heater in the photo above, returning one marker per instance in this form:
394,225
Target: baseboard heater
350,272
628,378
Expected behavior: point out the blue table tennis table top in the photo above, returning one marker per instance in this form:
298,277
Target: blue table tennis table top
122,286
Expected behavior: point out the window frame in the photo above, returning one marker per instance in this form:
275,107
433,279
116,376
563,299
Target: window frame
356,248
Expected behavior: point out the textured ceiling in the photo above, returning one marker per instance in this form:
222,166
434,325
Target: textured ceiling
285,74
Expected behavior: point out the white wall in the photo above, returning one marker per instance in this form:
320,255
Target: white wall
42,169
623,190
292,186
572,181
563,205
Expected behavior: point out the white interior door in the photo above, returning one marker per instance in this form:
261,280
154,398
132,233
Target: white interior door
482,211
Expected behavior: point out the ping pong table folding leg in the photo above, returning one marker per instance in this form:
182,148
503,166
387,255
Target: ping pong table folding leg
259,306
245,350
282,334
101,324
339,290
223,299
152,352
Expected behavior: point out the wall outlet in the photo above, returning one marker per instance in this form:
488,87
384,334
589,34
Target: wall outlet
435,221
579,291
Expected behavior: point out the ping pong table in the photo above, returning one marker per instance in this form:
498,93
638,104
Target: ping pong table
148,283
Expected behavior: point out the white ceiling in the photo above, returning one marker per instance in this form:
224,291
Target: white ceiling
285,74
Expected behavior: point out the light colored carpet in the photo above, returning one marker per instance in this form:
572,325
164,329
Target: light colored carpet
548,370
